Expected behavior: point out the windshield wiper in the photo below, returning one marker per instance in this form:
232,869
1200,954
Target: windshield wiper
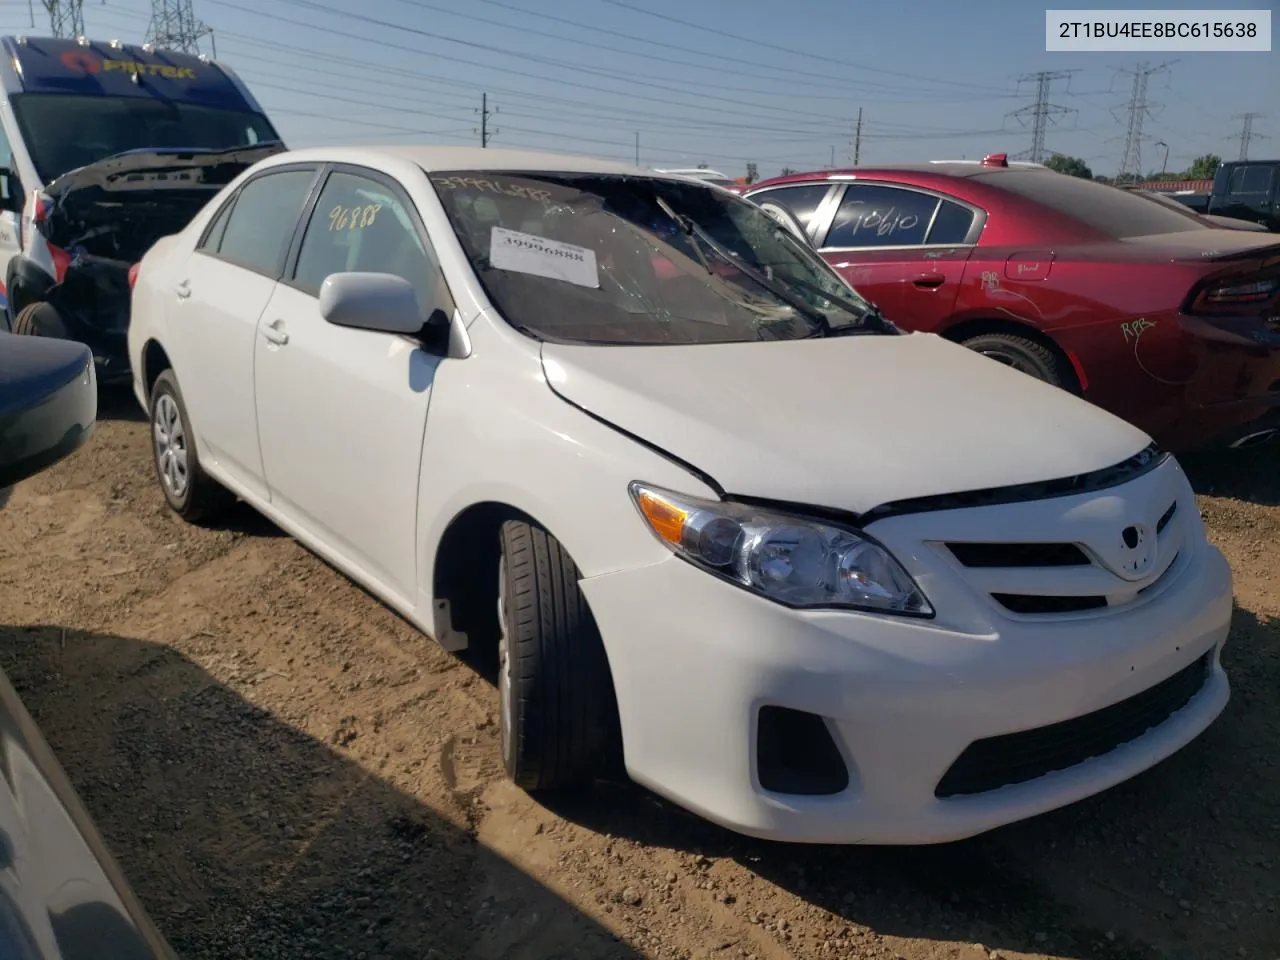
694,231
868,313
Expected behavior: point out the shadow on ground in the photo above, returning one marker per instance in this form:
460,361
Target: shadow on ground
117,402
246,838
1252,474
1181,863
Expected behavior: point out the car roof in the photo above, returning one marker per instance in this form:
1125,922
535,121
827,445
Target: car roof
438,159
932,170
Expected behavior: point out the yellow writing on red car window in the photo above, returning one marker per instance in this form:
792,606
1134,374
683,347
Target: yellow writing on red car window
150,69
353,218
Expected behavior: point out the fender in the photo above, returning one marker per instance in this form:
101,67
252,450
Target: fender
26,283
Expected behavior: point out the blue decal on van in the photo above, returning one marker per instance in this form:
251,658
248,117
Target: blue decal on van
66,66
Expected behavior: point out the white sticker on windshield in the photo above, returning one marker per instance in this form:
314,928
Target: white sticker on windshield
529,253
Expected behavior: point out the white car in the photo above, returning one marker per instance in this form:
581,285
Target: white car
806,575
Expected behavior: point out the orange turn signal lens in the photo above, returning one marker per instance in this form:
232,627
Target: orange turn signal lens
666,519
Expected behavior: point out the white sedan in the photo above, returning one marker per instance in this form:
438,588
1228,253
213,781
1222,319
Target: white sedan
806,575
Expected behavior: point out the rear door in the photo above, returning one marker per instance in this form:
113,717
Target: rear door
902,248
218,296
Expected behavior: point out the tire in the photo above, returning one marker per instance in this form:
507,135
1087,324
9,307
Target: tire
190,492
40,319
1029,356
557,712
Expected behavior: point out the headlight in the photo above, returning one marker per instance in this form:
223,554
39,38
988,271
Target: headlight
792,560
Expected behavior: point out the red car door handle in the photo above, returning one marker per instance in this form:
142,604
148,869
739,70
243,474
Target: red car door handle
930,280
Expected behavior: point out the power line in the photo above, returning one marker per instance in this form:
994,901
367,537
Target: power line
1041,112
470,61
174,26
695,64
1246,131
806,54
1139,108
66,17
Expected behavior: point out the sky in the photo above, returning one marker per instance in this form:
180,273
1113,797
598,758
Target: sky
689,82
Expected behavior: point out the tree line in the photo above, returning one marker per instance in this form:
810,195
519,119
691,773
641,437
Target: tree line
1202,168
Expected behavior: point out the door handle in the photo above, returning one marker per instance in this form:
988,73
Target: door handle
274,334
183,289
929,280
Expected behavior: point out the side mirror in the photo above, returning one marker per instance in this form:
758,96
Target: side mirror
48,404
372,301
10,191
786,220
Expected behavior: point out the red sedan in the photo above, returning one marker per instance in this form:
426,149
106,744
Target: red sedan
1146,311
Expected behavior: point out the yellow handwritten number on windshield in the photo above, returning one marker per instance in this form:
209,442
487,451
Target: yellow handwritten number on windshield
353,218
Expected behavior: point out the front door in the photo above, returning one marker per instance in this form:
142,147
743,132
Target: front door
902,249
341,411
218,296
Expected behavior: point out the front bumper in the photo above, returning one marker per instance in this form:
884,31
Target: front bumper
694,659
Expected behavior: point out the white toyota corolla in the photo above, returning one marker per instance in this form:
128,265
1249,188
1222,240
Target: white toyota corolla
808,576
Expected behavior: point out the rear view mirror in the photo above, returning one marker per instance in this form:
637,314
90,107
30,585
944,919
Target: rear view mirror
372,301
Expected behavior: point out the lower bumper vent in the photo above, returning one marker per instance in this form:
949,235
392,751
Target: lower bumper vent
1018,757
796,754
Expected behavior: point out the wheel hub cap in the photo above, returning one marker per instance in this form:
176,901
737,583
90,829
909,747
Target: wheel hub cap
170,445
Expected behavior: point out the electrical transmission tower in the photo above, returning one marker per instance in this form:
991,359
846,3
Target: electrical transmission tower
174,26
1139,108
1042,113
1246,131
66,17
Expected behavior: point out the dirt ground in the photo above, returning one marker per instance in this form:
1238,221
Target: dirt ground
285,769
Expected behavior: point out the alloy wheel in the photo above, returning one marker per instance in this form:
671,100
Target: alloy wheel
170,446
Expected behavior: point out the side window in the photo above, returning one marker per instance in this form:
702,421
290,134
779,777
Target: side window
1251,181
951,225
875,216
802,200
361,225
213,236
261,222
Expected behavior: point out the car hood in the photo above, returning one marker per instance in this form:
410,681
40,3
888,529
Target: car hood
160,168
850,423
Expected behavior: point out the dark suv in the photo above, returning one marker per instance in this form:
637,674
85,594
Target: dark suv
1244,189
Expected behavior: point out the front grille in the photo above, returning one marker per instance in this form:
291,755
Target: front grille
1034,603
1019,554
1018,757
1046,565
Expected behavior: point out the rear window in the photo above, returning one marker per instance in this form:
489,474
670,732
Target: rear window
1109,210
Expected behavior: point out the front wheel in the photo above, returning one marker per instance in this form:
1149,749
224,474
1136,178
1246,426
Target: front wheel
556,706
40,319
190,492
1023,354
